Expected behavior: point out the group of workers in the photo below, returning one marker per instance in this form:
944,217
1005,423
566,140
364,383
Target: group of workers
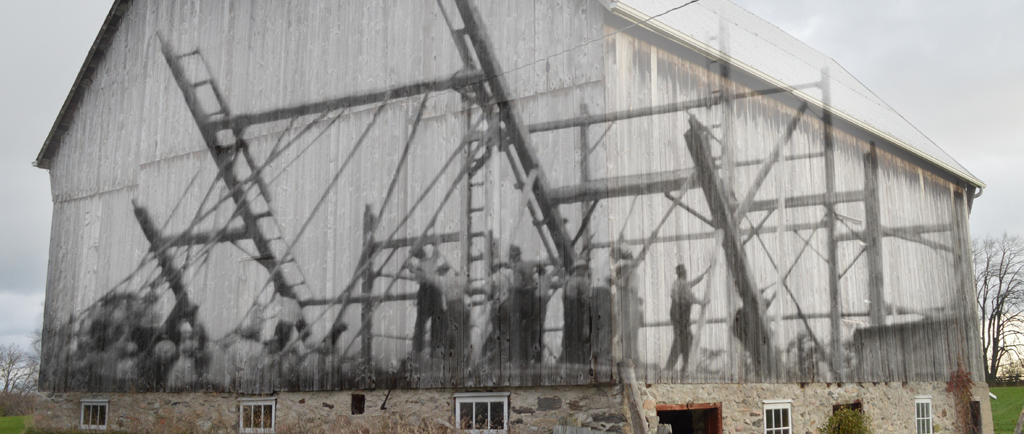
518,293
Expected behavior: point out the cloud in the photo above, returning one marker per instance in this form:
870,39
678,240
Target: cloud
953,69
19,315
43,48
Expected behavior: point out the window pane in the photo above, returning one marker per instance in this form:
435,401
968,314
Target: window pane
497,415
466,415
267,417
785,418
480,421
769,419
101,411
257,416
246,416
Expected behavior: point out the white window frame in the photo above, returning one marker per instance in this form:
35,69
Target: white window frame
785,405
479,397
97,403
928,425
253,402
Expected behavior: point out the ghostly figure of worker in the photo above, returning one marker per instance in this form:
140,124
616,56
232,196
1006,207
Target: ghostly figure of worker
683,300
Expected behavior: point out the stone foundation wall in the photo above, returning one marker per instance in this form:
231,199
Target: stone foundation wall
533,409
890,405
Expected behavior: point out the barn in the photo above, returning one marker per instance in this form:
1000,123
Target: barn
540,215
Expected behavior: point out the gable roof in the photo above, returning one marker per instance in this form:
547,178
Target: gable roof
755,46
763,50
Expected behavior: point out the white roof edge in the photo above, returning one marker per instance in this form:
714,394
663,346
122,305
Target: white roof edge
643,20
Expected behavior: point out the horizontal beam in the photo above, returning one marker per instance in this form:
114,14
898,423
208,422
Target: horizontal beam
459,80
808,200
789,317
398,243
757,161
641,184
586,120
359,299
629,185
706,235
203,238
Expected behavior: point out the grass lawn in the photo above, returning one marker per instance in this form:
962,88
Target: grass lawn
16,424
1006,409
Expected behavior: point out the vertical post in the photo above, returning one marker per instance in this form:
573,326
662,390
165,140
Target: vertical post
873,238
584,168
369,247
970,353
835,308
466,204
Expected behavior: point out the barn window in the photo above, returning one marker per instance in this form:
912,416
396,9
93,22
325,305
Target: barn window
777,418
482,412
923,405
257,415
94,414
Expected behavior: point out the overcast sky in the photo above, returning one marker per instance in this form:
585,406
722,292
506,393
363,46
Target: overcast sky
954,69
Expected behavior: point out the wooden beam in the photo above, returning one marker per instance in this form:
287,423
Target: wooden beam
619,186
750,326
690,406
398,243
190,238
366,313
711,234
518,136
459,80
590,119
873,238
835,304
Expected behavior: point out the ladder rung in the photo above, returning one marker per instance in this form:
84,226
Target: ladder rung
475,210
201,83
477,234
476,184
190,53
474,258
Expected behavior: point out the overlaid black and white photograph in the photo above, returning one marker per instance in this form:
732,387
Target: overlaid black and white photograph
259,198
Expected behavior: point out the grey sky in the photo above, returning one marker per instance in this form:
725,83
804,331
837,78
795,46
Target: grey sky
953,69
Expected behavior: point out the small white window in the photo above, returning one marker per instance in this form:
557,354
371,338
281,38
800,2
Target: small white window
94,414
482,412
777,418
257,415
923,405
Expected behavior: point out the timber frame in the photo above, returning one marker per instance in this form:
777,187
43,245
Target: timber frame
501,128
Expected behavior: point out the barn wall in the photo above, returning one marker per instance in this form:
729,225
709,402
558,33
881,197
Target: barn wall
134,147
922,266
159,281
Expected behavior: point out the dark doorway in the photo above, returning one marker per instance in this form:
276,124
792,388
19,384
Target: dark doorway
691,418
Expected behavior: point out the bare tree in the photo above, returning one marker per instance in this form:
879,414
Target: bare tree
18,370
999,277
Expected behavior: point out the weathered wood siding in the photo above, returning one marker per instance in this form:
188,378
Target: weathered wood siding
335,198
928,317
